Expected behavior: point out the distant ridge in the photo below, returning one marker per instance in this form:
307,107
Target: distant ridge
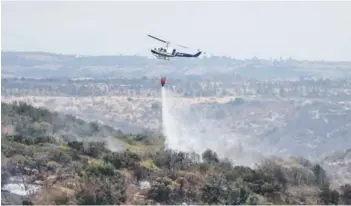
52,65
276,59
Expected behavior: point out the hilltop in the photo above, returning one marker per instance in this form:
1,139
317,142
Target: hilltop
71,170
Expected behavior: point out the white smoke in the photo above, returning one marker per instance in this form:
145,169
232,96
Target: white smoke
191,131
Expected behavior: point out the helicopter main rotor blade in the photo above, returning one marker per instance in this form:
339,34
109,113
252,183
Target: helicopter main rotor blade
166,42
183,46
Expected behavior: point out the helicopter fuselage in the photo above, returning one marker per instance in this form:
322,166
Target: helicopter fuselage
163,53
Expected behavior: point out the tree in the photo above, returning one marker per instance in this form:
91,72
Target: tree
210,157
328,196
94,127
346,194
321,178
214,189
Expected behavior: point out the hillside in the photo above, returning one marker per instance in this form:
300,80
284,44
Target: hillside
25,120
46,149
310,118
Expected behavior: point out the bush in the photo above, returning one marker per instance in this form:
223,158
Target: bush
252,200
27,202
161,189
126,159
76,145
96,169
107,190
95,149
52,165
60,157
214,190
173,160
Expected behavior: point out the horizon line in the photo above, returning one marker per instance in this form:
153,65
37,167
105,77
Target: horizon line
201,57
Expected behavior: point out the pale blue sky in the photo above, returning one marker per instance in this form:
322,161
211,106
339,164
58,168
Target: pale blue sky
303,30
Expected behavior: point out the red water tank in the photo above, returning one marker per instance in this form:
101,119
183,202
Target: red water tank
163,81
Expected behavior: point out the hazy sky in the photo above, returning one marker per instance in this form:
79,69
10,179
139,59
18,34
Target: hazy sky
303,30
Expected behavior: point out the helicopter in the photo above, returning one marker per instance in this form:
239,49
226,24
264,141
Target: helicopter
165,53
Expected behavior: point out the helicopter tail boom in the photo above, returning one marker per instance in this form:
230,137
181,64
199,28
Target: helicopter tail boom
179,54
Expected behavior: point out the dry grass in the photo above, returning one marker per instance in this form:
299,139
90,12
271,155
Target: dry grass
55,195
